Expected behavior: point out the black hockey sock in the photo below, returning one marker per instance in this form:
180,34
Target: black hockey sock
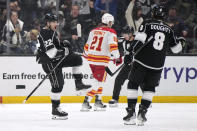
78,82
145,103
55,103
132,102
78,77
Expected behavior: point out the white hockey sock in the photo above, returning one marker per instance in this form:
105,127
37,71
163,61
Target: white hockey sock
148,95
55,96
76,70
89,98
132,94
99,96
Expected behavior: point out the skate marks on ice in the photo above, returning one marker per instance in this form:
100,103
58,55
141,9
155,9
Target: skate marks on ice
37,117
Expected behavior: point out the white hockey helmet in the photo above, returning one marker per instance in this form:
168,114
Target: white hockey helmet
106,18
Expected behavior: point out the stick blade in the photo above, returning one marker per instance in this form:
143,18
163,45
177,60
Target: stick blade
24,101
108,71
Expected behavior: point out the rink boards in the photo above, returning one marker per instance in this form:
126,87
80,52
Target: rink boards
20,75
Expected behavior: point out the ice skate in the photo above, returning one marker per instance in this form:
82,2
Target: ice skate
141,117
129,119
99,106
113,103
81,88
58,114
86,105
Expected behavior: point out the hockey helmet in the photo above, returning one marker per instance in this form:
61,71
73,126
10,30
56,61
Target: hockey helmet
50,17
158,12
106,18
127,29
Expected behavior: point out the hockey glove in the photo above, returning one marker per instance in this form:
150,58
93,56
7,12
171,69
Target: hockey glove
128,59
117,61
182,41
66,51
66,43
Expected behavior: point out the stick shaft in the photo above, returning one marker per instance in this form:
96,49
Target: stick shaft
118,69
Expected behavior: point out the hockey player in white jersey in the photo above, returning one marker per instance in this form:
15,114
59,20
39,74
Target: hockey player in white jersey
101,44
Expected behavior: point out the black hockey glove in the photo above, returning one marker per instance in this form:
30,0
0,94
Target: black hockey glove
128,59
66,43
182,41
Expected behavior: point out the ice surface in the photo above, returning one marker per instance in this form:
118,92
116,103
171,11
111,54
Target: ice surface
37,117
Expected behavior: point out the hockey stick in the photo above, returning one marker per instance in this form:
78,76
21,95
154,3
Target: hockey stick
112,74
43,80
106,68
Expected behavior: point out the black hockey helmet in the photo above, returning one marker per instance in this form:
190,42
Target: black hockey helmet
158,12
127,29
50,17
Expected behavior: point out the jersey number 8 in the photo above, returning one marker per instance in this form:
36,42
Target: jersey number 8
159,41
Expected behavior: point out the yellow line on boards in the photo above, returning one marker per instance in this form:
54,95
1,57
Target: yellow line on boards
79,99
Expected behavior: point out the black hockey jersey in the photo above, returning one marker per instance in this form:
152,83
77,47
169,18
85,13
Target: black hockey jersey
124,46
49,44
152,40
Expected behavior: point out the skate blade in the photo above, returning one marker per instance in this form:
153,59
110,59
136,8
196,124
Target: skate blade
113,105
99,109
85,110
55,117
140,123
130,122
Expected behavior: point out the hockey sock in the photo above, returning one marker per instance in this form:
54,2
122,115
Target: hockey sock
77,73
78,77
100,90
147,98
55,103
91,94
55,99
76,70
99,93
55,96
132,95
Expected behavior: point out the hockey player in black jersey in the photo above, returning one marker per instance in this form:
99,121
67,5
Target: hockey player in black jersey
151,42
50,52
124,44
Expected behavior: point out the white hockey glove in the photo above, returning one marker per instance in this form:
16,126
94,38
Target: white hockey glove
66,51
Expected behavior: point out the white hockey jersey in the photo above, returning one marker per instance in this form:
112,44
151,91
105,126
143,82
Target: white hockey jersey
102,44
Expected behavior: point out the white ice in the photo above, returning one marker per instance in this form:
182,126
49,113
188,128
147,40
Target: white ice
37,117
